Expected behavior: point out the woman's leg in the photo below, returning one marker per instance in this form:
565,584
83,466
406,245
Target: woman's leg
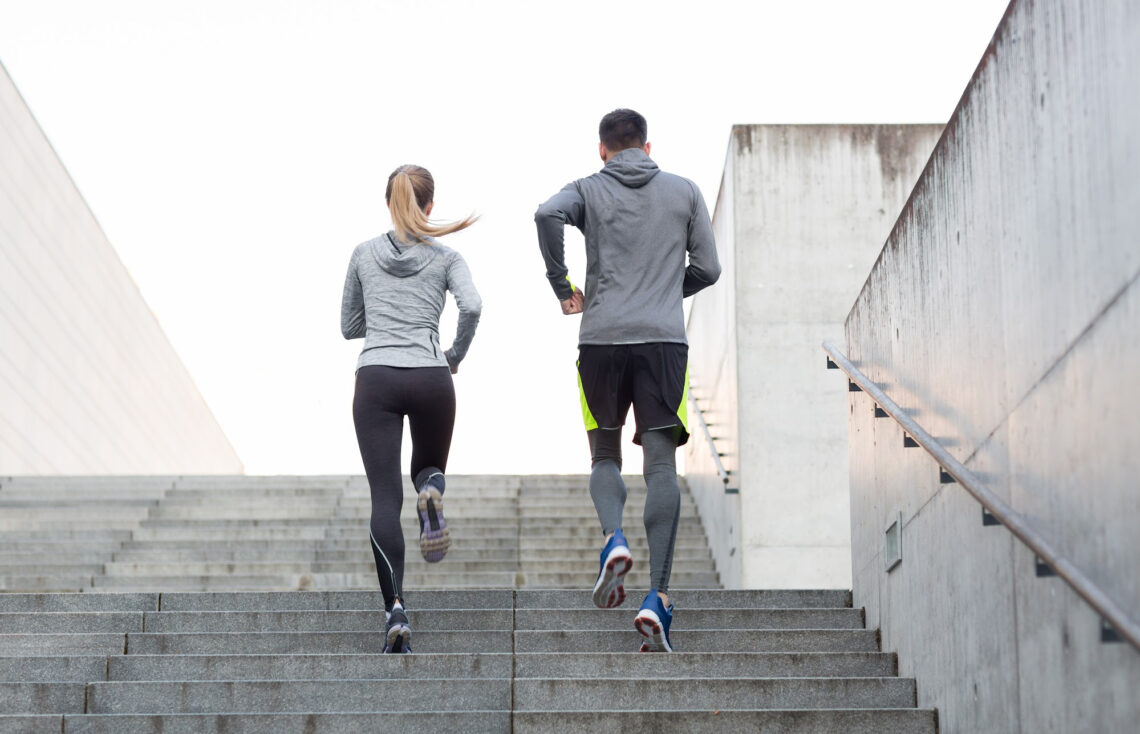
431,417
379,429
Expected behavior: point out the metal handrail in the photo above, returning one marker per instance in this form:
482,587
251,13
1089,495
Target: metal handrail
1108,609
724,474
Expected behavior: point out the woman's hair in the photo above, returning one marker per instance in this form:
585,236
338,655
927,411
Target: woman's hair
410,190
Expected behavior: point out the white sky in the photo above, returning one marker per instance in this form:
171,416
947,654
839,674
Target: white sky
235,152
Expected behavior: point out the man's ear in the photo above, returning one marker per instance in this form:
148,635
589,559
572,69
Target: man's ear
646,147
428,208
603,152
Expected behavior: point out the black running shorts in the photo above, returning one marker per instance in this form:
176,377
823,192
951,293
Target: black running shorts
652,377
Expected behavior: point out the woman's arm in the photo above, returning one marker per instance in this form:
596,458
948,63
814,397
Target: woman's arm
352,324
470,306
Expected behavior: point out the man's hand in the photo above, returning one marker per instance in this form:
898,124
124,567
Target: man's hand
573,304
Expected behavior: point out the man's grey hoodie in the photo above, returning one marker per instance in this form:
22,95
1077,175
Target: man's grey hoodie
393,295
639,223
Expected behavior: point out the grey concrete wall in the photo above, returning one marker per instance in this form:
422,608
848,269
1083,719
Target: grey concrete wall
803,210
89,384
1003,314
713,382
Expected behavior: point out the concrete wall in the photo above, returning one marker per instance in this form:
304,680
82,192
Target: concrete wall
1003,315
713,383
89,383
802,212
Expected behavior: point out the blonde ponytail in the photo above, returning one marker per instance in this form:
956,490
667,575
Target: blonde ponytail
410,190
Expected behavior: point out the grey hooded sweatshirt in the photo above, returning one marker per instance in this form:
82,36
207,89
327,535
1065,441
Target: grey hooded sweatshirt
639,223
393,295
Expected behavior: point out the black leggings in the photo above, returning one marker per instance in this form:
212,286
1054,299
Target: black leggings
384,395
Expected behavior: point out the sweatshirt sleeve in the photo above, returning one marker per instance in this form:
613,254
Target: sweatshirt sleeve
565,207
704,267
352,323
470,306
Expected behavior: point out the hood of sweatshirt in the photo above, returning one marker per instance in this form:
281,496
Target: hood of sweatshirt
632,167
400,258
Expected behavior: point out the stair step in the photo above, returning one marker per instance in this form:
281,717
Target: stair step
317,666
409,722
584,694
718,721
341,696
295,643
742,640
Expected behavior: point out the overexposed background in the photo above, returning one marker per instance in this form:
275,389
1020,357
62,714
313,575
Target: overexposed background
235,152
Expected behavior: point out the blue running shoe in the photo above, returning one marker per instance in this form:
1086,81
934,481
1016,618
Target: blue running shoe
653,621
399,631
609,591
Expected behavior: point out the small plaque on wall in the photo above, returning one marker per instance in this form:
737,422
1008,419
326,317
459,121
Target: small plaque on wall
892,551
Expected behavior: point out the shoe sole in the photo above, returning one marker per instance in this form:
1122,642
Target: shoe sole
399,637
609,590
649,625
435,538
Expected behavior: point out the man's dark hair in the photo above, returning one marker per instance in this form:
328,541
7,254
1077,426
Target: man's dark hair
623,129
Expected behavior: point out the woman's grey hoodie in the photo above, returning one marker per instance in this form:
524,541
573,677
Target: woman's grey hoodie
393,295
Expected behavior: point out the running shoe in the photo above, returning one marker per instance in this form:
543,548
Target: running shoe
653,621
609,590
435,538
399,635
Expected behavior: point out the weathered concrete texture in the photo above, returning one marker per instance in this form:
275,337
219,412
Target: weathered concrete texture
783,660
345,696
197,534
803,209
539,694
1002,315
130,407
469,722
328,666
883,721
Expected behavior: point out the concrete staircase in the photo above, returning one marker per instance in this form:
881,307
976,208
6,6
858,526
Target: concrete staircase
210,533
203,625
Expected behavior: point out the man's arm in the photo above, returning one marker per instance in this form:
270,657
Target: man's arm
704,267
565,207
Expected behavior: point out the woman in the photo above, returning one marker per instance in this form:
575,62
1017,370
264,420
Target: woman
393,296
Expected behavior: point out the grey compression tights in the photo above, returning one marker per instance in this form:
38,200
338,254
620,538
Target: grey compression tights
662,503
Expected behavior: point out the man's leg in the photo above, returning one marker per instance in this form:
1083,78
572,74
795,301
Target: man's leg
609,493
662,504
607,488
659,406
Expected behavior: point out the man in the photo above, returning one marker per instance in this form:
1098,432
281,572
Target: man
639,223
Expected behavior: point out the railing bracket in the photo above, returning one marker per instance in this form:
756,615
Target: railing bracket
945,478
988,518
831,365
1043,568
852,387
1108,633
880,413
909,443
